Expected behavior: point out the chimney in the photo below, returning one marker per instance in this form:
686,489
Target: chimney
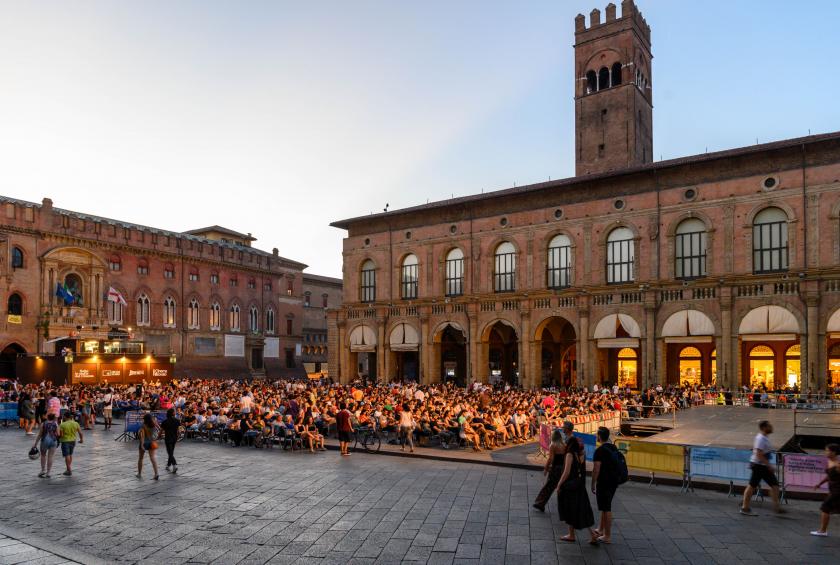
275,252
595,18
47,205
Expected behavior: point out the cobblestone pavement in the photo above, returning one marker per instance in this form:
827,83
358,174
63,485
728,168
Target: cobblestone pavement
229,505
14,551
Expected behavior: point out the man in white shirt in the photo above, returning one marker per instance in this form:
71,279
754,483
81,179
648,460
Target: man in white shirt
762,470
245,402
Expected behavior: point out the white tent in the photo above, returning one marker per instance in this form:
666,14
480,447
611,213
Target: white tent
362,338
404,338
688,325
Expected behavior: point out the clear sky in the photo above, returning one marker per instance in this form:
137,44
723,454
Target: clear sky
279,117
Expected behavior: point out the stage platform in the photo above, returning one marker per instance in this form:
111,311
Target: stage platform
735,426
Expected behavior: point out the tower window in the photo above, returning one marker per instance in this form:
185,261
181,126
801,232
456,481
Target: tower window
591,82
601,150
603,78
616,74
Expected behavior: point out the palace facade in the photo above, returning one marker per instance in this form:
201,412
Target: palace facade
205,298
716,268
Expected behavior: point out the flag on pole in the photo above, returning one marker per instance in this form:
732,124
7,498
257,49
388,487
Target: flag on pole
64,294
115,296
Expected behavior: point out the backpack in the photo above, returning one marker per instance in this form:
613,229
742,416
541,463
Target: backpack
619,465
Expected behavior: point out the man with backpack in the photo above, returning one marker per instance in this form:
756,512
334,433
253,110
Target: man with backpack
609,470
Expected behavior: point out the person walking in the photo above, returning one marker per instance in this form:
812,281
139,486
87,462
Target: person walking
48,436
406,428
146,435
108,407
761,470
604,482
831,505
170,427
553,469
67,432
345,428
572,499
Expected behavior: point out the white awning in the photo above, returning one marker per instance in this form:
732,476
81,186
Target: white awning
404,338
689,339
834,322
55,339
768,337
688,323
362,338
618,343
609,325
768,320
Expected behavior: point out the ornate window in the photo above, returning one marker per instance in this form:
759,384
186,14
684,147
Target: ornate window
367,288
620,256
269,321
770,241
409,277
307,299
559,264
215,316
15,305
214,277
114,311
690,249
114,263
17,258
143,310
169,312
267,286
504,273
193,318
233,281
253,319
615,74
453,281
169,271
234,318
290,287
252,283
193,276
290,326
142,267
325,300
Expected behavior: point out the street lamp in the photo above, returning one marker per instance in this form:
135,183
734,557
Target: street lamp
173,358
68,358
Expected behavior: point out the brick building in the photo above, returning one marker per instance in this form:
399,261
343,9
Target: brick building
222,307
319,294
722,267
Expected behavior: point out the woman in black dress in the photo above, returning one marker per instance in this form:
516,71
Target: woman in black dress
553,469
572,499
831,505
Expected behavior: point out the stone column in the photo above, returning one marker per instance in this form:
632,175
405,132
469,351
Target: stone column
425,356
381,353
524,343
474,370
585,368
816,379
726,369
650,369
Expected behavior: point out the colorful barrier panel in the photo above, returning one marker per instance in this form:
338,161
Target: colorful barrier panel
8,411
719,463
804,471
545,437
589,444
653,457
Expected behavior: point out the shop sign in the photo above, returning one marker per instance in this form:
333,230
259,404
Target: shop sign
14,319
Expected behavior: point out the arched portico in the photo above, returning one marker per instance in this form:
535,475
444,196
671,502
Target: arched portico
403,361
617,337
771,348
556,352
449,359
362,341
500,350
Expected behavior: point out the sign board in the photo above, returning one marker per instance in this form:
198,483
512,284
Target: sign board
234,346
160,372
135,372
649,456
111,372
14,319
8,411
84,373
589,444
545,436
271,350
720,463
805,470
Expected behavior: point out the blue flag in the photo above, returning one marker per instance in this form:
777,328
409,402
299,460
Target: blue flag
64,294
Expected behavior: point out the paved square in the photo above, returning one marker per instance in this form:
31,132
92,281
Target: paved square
242,505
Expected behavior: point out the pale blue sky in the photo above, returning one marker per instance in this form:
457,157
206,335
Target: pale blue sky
278,117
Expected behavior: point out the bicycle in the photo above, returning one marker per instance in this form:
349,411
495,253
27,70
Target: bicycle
369,438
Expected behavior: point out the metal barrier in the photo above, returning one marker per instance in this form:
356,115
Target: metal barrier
8,412
134,421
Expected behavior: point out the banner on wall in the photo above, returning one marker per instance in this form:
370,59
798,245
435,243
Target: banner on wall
234,346
271,349
720,463
804,470
84,373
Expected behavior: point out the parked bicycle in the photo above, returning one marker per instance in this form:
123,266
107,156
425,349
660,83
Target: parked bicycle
369,438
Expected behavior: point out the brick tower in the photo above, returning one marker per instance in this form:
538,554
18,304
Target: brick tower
613,102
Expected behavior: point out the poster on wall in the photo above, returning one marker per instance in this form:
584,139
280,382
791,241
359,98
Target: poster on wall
111,372
272,348
161,372
84,373
234,346
135,372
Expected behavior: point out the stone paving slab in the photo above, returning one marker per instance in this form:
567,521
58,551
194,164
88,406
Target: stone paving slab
240,505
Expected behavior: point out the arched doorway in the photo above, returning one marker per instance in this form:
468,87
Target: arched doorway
627,368
767,334
834,365
450,345
555,339
363,353
502,353
762,367
8,358
404,359
691,367
689,340
617,337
